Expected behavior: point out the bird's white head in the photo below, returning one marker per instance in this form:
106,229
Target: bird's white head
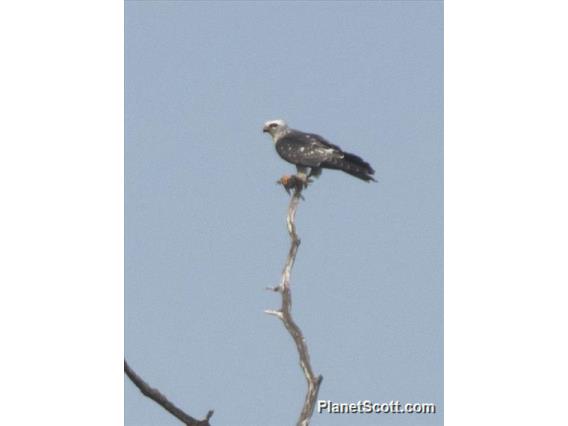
276,129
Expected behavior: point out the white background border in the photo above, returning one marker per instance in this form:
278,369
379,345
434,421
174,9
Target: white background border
506,212
61,174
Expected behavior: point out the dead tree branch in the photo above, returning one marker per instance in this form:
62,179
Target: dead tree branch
285,314
158,397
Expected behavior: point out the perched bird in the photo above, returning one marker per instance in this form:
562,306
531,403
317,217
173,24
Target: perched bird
311,153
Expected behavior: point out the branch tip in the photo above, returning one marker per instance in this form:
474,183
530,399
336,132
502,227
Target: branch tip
159,398
274,312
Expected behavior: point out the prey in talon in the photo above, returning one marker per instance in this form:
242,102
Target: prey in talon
293,182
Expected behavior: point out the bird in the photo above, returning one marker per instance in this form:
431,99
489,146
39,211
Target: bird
311,153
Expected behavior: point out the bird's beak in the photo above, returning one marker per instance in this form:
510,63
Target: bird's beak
265,129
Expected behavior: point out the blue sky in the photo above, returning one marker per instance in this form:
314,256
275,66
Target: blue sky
205,222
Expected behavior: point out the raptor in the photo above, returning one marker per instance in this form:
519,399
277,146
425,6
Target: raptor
311,153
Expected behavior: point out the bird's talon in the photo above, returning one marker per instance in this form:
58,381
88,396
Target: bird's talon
295,182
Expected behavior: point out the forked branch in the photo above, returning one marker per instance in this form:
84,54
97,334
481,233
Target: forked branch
285,314
158,397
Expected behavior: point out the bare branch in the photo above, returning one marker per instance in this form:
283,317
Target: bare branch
158,397
285,314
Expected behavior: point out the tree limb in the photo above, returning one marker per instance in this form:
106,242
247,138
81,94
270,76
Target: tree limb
158,397
285,314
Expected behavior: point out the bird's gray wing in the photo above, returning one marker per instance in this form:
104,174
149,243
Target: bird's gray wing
306,149
322,141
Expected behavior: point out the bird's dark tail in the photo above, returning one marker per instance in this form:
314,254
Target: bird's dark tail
353,165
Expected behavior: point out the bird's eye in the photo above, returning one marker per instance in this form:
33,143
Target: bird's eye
272,125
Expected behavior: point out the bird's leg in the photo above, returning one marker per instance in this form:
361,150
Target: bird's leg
303,176
302,181
315,172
